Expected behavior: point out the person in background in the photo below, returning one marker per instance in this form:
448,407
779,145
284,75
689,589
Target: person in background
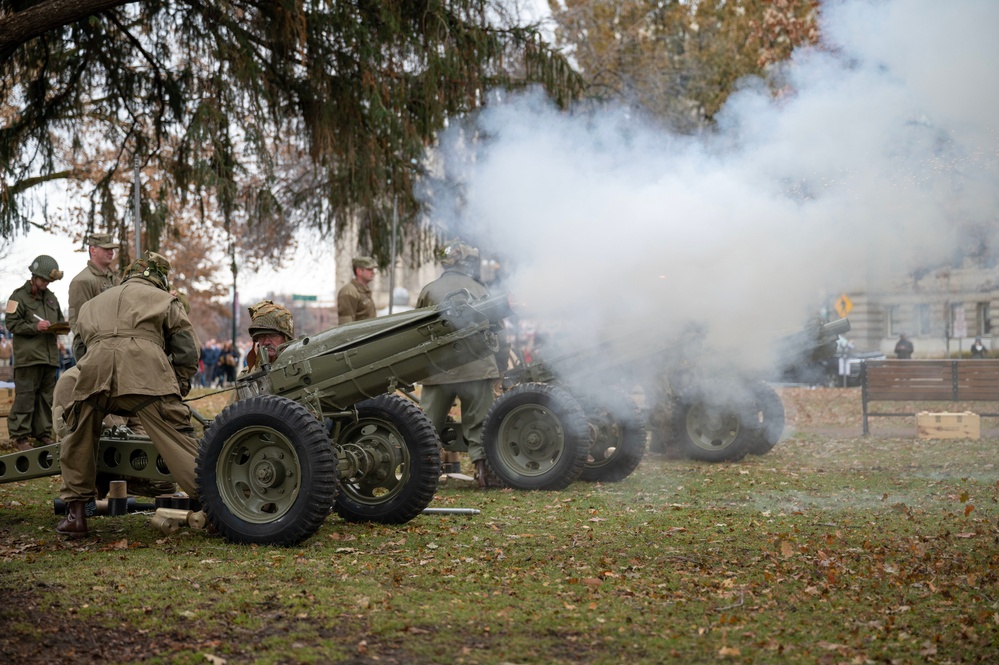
903,348
354,301
6,351
66,360
96,277
978,349
32,311
136,351
472,384
228,360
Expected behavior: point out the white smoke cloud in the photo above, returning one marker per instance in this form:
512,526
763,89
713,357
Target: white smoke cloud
887,145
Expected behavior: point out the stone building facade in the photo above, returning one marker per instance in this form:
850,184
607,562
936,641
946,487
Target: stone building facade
941,311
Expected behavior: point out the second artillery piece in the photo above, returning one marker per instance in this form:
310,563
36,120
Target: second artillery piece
574,414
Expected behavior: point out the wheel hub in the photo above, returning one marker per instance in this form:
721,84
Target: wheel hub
268,473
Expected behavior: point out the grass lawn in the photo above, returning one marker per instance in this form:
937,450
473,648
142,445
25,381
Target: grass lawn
833,548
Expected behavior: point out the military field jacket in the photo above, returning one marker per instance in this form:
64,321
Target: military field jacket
31,346
354,303
91,281
434,294
134,339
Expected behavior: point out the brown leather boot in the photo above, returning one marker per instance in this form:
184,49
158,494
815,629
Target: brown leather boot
74,525
482,475
23,444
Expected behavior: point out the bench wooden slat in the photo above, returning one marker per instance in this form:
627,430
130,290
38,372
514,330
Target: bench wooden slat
928,381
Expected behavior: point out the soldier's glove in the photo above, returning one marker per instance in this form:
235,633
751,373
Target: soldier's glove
185,386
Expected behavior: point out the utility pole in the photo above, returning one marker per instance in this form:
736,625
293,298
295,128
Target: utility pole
235,294
395,226
138,215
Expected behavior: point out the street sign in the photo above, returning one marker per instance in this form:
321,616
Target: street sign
960,323
299,296
844,305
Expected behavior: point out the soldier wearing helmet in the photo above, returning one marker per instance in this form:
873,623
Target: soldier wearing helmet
137,352
473,383
354,301
96,277
34,317
271,325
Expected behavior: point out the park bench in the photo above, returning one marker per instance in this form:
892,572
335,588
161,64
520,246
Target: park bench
928,381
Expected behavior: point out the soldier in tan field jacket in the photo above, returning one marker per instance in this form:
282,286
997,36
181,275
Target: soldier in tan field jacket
96,277
137,352
354,301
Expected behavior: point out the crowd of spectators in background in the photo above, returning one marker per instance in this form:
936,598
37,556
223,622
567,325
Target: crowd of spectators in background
220,363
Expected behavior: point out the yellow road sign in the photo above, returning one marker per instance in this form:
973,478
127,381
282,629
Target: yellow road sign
844,305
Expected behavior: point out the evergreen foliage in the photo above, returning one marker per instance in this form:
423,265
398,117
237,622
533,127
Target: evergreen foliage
222,99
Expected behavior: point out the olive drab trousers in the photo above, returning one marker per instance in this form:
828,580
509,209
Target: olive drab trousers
31,412
476,398
166,420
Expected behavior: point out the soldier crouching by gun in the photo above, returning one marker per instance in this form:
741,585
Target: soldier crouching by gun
271,325
137,351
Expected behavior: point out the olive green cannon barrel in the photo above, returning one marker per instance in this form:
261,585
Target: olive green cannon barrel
343,366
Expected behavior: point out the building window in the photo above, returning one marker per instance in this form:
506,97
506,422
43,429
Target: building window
923,328
894,320
983,320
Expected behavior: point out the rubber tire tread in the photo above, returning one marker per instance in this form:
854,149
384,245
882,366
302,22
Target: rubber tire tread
771,410
421,441
318,487
631,452
576,434
734,452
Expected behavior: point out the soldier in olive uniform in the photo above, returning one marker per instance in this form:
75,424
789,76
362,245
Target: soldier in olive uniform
271,325
96,277
473,383
137,353
354,301
31,312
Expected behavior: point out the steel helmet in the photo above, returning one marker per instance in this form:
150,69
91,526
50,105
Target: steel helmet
268,316
45,267
460,255
153,267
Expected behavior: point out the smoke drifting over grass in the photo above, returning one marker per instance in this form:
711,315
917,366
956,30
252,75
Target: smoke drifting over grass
880,157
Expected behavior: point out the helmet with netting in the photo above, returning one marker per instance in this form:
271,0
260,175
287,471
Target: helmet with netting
154,267
267,316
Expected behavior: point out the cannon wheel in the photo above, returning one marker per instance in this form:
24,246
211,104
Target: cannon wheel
536,438
713,433
396,462
266,472
617,439
770,413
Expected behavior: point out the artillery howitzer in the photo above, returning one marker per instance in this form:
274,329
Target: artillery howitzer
573,416
317,430
713,414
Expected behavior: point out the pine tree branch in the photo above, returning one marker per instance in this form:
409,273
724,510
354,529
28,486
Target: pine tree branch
21,27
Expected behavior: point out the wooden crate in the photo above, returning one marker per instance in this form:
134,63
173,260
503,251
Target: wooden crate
948,425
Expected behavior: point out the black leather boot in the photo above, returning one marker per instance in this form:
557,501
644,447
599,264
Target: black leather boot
482,475
74,525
